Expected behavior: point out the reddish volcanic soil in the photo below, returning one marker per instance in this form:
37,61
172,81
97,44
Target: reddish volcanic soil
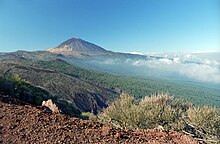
28,124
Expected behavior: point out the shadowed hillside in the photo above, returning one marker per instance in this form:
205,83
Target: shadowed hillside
71,91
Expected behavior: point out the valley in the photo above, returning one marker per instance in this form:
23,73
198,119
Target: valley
109,72
76,68
86,81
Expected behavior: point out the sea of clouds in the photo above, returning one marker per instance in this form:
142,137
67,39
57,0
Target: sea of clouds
203,67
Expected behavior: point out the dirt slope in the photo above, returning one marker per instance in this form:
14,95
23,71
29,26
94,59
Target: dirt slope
26,124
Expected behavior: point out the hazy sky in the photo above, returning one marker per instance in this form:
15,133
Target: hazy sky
117,25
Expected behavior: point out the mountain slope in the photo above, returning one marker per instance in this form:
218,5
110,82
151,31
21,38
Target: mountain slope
28,124
77,46
73,91
148,78
137,87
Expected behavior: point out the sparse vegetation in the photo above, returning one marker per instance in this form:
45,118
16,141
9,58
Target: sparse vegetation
59,81
88,115
206,120
163,111
149,112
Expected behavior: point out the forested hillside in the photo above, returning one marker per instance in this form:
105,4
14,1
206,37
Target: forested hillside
73,95
138,87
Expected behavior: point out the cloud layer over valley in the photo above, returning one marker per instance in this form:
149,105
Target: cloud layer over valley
203,67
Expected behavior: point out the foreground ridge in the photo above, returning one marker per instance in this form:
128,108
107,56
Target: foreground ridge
22,123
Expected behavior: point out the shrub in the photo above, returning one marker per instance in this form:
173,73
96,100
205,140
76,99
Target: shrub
162,110
149,112
166,111
88,116
122,113
17,79
206,120
6,86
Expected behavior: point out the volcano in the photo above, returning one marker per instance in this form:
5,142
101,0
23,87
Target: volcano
77,46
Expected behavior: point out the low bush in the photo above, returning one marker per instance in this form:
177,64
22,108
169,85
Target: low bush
87,116
7,86
166,111
150,112
206,120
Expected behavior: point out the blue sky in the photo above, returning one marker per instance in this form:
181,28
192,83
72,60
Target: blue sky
117,25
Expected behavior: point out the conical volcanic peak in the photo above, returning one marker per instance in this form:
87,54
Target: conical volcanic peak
77,46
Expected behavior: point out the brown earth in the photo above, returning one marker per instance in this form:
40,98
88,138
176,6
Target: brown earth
20,123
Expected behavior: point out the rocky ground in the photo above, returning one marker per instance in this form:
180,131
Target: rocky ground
20,123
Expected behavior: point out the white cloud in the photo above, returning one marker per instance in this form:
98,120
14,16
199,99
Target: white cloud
193,66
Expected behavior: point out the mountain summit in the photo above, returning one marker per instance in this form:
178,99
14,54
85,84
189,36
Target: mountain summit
77,46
